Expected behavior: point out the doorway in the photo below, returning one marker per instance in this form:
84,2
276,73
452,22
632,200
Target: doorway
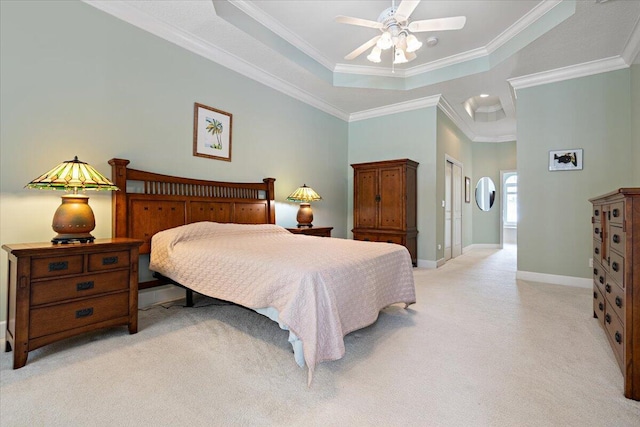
452,208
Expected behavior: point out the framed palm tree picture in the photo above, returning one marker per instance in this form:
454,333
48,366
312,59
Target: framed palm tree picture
211,133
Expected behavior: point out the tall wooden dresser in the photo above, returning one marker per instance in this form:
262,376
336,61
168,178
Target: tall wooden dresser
616,278
385,203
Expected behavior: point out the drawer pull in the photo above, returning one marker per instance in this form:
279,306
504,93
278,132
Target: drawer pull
616,238
607,288
607,318
58,266
85,312
110,260
597,212
83,286
615,266
366,239
601,306
595,295
616,213
601,280
389,241
597,251
595,271
597,230
618,337
619,302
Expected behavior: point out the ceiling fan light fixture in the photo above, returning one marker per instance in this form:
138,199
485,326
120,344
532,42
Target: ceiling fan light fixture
400,57
385,42
413,43
374,56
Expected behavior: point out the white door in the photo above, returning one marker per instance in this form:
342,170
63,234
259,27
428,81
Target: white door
448,172
456,226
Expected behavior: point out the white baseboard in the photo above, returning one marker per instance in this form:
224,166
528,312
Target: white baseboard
481,246
555,279
425,263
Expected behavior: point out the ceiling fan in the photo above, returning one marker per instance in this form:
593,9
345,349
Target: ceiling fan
397,31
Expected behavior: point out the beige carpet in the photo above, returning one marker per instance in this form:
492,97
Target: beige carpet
478,349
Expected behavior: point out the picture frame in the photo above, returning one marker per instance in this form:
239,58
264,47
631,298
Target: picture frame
467,189
212,130
569,159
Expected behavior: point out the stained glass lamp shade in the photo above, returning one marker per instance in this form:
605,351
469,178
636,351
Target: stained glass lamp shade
74,219
305,195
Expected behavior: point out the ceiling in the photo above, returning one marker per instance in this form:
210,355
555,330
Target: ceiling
296,47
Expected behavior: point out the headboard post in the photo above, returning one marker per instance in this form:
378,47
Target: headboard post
271,196
119,198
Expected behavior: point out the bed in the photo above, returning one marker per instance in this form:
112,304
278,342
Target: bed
220,239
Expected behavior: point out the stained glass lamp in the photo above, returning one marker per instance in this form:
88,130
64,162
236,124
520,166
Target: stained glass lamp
74,219
305,195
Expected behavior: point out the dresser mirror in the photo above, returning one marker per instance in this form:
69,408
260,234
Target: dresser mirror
485,193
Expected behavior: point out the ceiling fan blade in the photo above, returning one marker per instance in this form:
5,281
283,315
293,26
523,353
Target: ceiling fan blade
357,21
439,24
405,9
362,48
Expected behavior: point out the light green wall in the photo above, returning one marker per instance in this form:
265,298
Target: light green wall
488,160
454,143
635,120
397,136
592,113
76,81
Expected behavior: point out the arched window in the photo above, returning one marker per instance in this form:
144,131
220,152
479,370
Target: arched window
510,214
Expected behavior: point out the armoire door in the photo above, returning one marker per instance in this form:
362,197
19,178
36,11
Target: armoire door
391,193
365,202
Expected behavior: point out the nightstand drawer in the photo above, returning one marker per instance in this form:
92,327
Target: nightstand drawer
62,317
55,290
56,266
108,261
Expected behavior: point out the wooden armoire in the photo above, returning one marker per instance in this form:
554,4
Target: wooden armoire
385,203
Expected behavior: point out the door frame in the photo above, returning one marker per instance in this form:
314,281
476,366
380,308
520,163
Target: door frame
456,162
503,202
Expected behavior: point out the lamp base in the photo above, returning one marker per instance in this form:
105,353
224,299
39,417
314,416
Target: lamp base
73,220
72,238
305,215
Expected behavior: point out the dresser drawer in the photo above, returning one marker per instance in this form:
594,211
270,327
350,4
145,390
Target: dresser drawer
598,305
615,298
597,250
108,260
63,317
615,332
616,213
617,239
54,290
56,266
616,268
597,231
598,276
377,237
596,211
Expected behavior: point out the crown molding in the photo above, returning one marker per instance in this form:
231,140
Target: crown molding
447,109
133,16
400,107
631,51
571,72
269,22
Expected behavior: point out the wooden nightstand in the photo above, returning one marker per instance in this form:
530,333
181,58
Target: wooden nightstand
58,291
313,231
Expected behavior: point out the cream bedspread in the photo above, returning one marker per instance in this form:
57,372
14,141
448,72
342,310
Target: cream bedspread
323,288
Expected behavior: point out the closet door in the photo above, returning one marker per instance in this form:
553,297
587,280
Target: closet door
448,172
456,195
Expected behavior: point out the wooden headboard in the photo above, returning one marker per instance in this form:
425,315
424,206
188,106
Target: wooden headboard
149,202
